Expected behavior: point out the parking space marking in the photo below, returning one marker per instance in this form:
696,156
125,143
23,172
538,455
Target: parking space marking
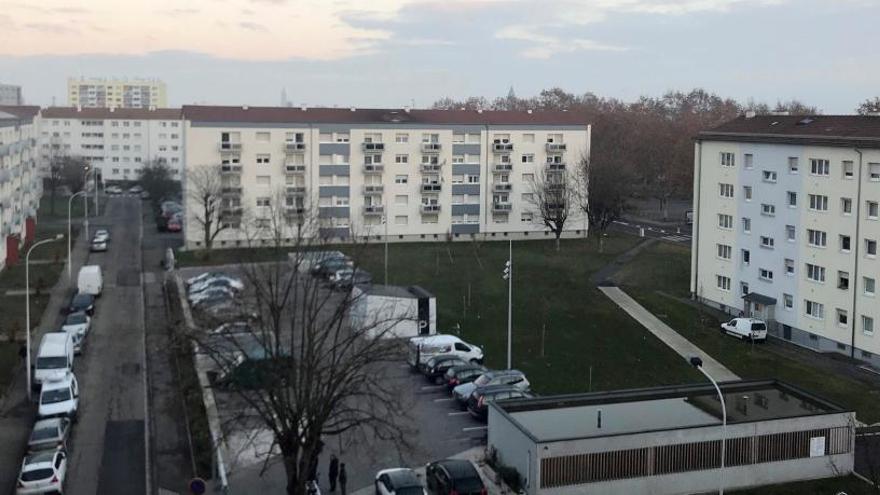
444,399
432,387
474,428
457,413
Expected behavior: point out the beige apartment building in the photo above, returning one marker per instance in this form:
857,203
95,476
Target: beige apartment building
404,175
787,221
117,93
20,184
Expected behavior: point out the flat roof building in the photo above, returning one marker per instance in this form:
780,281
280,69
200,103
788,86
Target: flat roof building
120,93
667,440
10,94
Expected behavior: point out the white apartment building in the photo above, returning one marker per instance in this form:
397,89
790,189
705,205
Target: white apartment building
116,93
118,141
20,185
432,174
10,94
787,226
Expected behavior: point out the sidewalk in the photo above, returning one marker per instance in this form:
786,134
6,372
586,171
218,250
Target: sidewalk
666,334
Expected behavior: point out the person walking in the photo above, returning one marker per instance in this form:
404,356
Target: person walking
343,478
333,472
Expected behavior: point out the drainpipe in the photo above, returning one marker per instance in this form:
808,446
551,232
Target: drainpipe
695,226
857,242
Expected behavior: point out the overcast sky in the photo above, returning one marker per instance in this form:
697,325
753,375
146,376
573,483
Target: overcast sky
400,52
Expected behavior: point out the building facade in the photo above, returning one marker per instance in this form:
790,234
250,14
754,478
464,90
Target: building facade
117,141
11,95
20,184
787,226
116,93
401,175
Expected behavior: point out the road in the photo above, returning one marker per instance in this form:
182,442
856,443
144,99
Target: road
680,234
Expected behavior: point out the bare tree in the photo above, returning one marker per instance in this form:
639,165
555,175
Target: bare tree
603,188
211,212
156,178
552,193
869,106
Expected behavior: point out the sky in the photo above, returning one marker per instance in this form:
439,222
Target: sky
393,53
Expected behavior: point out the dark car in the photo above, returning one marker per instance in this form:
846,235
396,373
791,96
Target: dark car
453,477
467,373
82,302
478,403
437,366
327,267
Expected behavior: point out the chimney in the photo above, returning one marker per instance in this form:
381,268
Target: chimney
479,110
244,107
79,108
529,111
406,109
353,109
750,114
112,109
303,107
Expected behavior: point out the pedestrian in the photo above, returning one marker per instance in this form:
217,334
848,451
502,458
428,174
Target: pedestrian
343,478
333,472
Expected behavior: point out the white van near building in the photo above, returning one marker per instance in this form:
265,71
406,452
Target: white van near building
423,348
54,357
90,280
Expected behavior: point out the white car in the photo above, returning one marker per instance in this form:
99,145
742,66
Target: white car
98,246
204,276
399,481
213,292
42,472
101,235
77,325
746,329
59,397
232,283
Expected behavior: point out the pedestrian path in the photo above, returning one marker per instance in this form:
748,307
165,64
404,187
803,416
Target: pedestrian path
677,238
667,335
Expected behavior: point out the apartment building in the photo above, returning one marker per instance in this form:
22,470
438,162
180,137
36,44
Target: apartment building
787,226
20,185
118,141
404,175
11,95
118,93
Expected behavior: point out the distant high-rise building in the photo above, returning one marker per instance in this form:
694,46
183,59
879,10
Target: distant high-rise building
117,93
10,95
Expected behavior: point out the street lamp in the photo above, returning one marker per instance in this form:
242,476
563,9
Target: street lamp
697,363
508,275
27,302
69,234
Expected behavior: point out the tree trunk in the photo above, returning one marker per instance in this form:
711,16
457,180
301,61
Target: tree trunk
52,201
291,472
558,244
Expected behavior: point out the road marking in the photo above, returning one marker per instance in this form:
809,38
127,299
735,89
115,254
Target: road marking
447,399
677,238
458,413
475,428
431,387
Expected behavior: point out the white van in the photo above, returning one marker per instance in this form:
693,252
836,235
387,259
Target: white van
90,280
423,348
746,328
54,357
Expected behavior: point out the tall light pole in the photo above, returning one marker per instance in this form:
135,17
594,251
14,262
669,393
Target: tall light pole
697,363
69,234
27,302
385,221
508,275
86,199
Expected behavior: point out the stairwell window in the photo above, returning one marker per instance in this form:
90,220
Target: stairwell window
746,256
867,325
723,282
789,266
749,160
725,190
792,199
845,243
724,251
789,233
787,301
843,280
817,238
747,193
746,224
846,206
814,309
818,202
842,318
815,273
725,221
870,248
820,167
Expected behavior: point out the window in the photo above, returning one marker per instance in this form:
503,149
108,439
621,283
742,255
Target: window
792,199
815,273
818,202
746,256
872,207
789,266
728,159
817,238
868,286
725,221
747,193
787,301
842,317
402,137
457,159
768,210
769,176
263,158
792,165
747,225
263,202
457,138
765,274
401,179
725,190
526,216
870,247
430,138
724,251
845,243
767,242
847,167
749,160
403,159
264,180
401,199
743,288
263,137
343,137
341,201
528,178
722,282
401,219
530,138
789,233
473,179
874,172
846,206
528,158
814,309
819,167
843,280
867,325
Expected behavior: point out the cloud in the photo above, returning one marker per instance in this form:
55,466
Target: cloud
252,26
72,10
50,28
545,46
183,11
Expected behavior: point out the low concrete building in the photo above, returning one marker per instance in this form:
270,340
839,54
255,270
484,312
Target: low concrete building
394,311
668,440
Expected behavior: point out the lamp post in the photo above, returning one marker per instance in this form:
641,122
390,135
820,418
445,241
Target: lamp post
69,234
27,302
385,221
86,199
697,363
508,275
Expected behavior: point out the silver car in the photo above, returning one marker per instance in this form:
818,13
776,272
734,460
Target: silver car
515,378
49,433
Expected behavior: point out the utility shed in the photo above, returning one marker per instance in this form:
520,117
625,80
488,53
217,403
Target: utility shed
394,311
667,440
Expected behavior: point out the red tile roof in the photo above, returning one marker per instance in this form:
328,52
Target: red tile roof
274,115
832,130
116,113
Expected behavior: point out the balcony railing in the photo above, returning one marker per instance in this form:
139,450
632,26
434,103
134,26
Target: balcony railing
373,147
372,189
230,169
430,209
294,211
431,147
431,188
500,168
374,168
231,212
295,190
556,167
230,191
372,210
430,168
502,187
227,146
291,147
502,147
295,169
555,147
502,207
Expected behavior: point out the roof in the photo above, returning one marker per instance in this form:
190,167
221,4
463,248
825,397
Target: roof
278,115
402,477
458,467
625,412
759,298
830,130
412,292
21,111
115,113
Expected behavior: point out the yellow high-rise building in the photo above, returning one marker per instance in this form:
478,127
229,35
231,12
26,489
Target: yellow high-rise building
118,93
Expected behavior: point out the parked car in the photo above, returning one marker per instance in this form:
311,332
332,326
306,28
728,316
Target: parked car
204,276
746,328
59,398
101,235
136,189
458,375
90,280
398,481
453,477
77,325
347,278
42,472
50,433
478,405
112,190
219,281
174,225
423,348
82,303
145,195
436,367
500,377
54,358
211,293
326,268
98,246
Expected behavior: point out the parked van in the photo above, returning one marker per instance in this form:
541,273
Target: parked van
746,328
423,348
90,280
54,357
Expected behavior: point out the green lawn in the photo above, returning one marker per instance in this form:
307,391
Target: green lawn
665,268
8,355
830,486
61,205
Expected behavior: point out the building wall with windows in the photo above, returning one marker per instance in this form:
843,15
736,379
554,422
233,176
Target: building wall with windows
119,142
804,234
20,185
431,174
10,94
116,93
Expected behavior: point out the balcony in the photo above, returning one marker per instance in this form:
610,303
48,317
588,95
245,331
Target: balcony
502,168
431,188
228,213
295,190
293,211
373,147
228,147
502,147
430,168
430,209
501,207
295,169
555,147
374,189
374,168
291,147
556,167
502,187
373,210
431,148
230,191
230,169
